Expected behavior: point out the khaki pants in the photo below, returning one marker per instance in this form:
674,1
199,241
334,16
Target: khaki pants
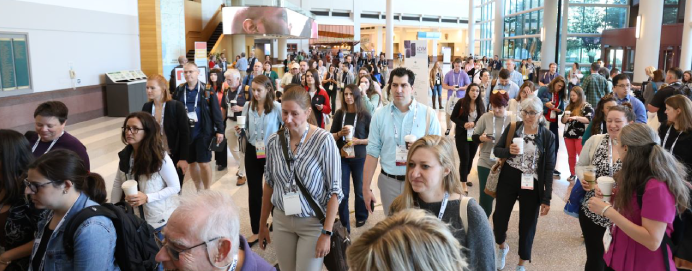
389,190
295,239
233,146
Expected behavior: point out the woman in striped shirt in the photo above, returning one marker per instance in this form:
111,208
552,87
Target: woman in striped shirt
313,157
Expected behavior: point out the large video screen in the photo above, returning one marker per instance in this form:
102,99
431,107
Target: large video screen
269,21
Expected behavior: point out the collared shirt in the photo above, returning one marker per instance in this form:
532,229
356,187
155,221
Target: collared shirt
637,107
497,65
252,261
595,87
511,88
191,95
462,79
241,65
517,78
547,77
381,140
261,127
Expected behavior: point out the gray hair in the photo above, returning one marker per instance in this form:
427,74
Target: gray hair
233,73
532,102
219,218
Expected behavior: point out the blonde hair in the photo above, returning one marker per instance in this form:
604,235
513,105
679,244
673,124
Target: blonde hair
650,70
444,149
407,241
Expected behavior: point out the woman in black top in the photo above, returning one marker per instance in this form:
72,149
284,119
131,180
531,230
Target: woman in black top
677,139
329,83
18,217
465,114
172,117
353,114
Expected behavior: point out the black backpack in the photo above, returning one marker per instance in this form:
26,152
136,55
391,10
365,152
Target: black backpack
680,241
683,89
135,248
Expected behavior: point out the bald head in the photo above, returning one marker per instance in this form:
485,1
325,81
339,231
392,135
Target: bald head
182,60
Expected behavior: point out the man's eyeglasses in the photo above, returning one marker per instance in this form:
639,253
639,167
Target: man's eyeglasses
529,113
132,129
174,252
35,186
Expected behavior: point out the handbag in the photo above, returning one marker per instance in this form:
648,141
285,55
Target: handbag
340,240
574,201
494,176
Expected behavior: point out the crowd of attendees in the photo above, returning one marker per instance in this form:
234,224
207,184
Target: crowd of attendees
309,141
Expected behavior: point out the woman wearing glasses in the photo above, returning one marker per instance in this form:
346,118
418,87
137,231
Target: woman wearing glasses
487,129
527,176
60,182
171,117
18,217
145,160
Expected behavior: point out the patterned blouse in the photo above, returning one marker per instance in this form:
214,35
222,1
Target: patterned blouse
575,129
530,157
19,228
601,159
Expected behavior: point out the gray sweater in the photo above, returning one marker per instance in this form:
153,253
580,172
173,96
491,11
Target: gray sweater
478,241
485,125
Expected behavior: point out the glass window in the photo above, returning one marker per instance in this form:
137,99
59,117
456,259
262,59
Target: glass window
583,49
616,18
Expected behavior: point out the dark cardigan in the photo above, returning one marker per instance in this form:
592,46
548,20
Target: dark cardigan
176,127
545,142
459,130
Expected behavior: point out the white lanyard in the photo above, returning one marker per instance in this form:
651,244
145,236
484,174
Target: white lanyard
674,142
196,97
355,121
443,206
163,112
260,125
51,144
295,157
535,149
396,131
457,77
502,125
234,264
610,156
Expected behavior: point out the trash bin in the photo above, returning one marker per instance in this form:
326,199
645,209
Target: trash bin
125,93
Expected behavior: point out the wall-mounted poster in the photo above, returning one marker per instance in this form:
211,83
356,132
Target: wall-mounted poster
417,61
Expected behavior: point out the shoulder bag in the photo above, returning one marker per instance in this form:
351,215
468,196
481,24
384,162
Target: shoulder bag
340,240
494,176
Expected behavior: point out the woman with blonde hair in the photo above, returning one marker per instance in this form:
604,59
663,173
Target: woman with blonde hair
651,189
433,185
580,114
410,240
677,139
436,84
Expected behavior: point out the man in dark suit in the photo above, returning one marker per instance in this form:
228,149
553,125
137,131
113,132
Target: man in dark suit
171,82
251,62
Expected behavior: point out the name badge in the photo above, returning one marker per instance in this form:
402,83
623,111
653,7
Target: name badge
331,87
192,116
492,156
401,153
260,149
341,85
292,203
469,135
607,239
553,114
527,181
437,82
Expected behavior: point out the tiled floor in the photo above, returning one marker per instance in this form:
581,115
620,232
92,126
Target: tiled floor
557,246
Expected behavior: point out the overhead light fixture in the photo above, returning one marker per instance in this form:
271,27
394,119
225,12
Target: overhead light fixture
542,34
638,28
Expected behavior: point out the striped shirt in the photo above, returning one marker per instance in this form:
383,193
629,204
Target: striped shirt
318,164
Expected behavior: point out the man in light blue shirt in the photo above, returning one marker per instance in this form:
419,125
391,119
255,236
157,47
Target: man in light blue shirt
621,89
390,124
514,75
504,83
241,65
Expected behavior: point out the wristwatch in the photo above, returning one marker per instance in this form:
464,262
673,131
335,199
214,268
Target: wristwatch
326,232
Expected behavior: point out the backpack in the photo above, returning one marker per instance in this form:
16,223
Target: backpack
135,248
683,89
680,241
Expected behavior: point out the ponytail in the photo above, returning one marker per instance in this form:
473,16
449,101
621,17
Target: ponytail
95,188
62,165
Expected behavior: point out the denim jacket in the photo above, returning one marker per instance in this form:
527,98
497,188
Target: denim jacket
94,242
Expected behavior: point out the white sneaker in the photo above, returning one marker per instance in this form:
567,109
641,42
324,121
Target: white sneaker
520,268
500,257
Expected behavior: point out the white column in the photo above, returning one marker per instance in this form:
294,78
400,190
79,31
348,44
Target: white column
498,31
356,24
471,33
239,45
550,41
275,48
389,30
378,46
563,38
282,49
686,55
434,49
649,42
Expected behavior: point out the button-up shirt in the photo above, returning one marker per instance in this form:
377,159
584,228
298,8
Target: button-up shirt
511,88
637,107
241,65
547,77
261,127
517,78
381,140
595,87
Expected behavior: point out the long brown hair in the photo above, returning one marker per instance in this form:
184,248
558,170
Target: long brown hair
526,84
299,95
163,84
149,156
551,85
684,119
15,156
264,81
371,89
599,116
466,102
357,100
575,107
646,160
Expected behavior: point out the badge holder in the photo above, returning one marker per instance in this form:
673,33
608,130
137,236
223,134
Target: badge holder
260,149
553,114
401,153
469,135
527,181
291,201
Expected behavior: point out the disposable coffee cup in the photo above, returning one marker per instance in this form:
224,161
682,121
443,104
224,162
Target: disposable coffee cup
349,136
520,143
606,184
130,187
590,176
456,86
233,102
409,140
241,121
568,113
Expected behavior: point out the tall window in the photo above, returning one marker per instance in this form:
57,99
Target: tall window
522,29
487,27
586,21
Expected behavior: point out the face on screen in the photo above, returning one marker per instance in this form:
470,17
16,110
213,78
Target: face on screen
275,21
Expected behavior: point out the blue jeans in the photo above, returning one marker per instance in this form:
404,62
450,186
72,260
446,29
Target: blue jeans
160,236
437,91
355,166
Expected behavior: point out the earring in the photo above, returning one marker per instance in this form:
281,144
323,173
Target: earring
64,192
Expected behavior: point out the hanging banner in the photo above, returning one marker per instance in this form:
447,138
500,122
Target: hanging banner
417,61
201,53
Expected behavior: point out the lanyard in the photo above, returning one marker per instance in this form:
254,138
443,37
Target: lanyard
502,124
355,121
396,131
535,149
295,157
610,156
163,112
444,206
457,77
196,97
666,139
51,144
234,264
260,125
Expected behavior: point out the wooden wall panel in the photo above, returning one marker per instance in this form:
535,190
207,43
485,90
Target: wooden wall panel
150,36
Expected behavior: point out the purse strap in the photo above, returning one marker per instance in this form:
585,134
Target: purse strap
510,135
316,208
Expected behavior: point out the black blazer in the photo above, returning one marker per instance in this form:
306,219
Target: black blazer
210,113
176,127
545,142
459,130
